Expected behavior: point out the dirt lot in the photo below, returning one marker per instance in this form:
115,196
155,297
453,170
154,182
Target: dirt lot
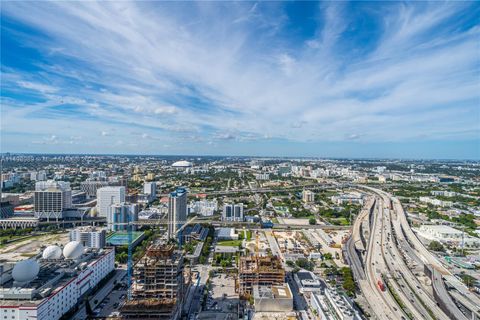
29,247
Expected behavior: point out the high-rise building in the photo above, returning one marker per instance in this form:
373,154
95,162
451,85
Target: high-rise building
107,196
6,209
52,198
159,287
308,196
233,212
89,237
90,187
177,211
120,214
38,176
150,189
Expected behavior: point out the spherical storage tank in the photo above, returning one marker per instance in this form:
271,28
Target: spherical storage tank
52,252
73,250
25,270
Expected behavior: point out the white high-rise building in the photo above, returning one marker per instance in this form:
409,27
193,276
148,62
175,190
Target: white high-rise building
204,207
120,214
107,196
38,176
177,211
52,198
150,189
233,212
89,237
308,196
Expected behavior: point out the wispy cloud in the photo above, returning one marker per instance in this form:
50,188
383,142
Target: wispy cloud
232,72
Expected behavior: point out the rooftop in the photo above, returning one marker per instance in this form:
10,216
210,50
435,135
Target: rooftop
273,292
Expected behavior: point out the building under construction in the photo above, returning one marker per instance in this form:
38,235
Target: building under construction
158,287
258,270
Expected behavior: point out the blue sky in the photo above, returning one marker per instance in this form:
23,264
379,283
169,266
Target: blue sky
329,79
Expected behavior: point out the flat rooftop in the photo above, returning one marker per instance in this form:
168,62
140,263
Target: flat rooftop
273,292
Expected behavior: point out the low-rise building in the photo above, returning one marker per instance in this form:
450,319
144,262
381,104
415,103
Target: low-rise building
307,281
47,289
227,234
448,235
331,305
276,298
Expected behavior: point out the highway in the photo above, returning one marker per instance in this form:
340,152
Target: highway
390,258
381,301
239,224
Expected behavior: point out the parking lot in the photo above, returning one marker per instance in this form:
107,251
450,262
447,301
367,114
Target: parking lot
222,296
109,306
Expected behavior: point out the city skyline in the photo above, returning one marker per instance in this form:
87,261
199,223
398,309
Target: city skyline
329,79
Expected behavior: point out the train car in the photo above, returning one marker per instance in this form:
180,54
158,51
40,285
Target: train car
380,285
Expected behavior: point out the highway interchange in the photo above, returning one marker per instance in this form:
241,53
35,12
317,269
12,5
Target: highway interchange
388,261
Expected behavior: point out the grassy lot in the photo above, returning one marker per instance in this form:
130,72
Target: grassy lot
230,243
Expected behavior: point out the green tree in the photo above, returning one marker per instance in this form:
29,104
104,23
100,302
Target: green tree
468,280
327,256
436,246
312,221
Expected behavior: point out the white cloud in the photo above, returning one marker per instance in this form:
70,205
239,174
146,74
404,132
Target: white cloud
43,88
209,71
165,110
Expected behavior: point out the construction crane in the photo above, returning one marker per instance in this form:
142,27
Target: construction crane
129,225
129,261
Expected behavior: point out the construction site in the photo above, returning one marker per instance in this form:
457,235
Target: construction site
158,285
259,270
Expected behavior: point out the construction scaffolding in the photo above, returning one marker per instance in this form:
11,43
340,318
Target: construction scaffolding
258,270
158,287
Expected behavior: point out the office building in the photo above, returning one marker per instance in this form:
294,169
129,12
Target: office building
90,187
89,237
308,196
177,211
107,196
6,209
120,214
159,287
51,198
233,212
150,191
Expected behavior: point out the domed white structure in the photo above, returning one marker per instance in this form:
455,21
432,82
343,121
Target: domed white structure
73,250
25,270
52,252
182,164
